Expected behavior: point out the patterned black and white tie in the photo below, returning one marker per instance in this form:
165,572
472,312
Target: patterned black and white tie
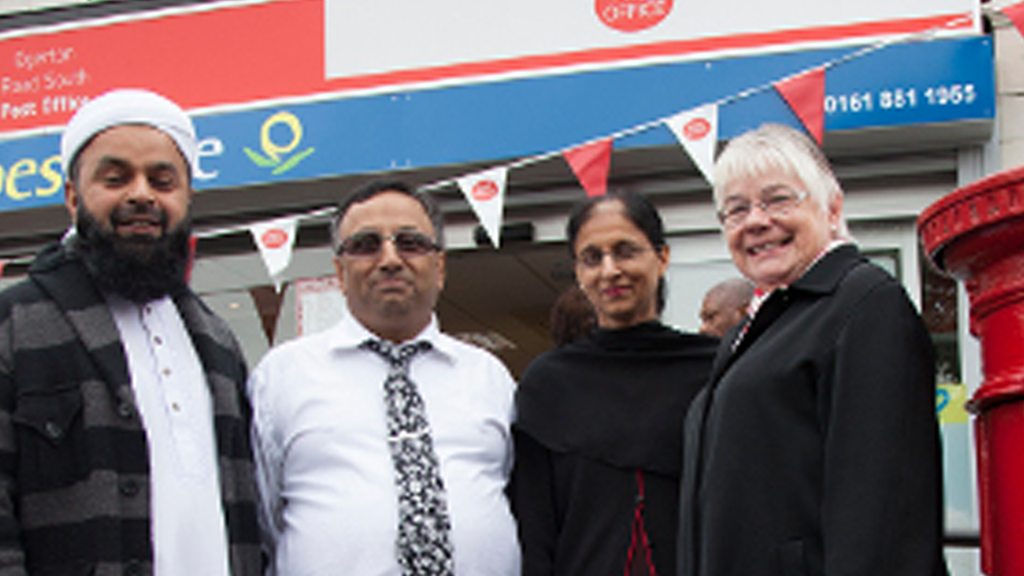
424,546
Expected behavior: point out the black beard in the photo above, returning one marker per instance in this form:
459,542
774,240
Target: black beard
139,268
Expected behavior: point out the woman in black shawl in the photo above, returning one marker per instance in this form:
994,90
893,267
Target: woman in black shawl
598,436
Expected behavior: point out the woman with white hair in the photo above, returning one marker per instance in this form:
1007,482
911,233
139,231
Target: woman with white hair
814,449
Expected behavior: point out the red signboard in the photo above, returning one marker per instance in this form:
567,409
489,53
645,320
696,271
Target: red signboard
201,59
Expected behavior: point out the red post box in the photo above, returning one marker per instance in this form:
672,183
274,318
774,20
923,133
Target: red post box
976,234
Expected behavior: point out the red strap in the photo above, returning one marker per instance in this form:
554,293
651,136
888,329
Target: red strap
638,558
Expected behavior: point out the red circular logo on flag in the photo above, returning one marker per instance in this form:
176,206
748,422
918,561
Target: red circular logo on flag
632,15
274,238
696,129
484,190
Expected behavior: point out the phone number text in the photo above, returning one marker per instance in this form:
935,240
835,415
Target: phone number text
900,98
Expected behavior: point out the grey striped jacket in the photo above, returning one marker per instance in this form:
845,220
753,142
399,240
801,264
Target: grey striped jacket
74,473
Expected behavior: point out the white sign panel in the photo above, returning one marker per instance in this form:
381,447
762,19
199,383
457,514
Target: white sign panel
319,304
428,40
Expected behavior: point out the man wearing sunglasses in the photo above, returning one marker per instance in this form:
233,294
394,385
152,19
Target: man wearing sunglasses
383,445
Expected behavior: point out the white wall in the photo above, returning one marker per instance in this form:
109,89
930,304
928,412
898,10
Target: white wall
1009,56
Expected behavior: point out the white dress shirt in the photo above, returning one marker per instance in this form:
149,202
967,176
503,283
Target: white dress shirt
324,470
173,398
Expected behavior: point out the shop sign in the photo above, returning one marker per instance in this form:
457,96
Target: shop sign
428,41
943,81
294,50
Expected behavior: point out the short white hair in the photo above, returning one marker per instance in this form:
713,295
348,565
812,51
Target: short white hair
776,147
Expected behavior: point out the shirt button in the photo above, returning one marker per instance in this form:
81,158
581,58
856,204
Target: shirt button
166,371
129,488
53,430
124,410
158,340
175,407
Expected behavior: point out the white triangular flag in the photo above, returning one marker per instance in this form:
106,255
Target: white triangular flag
485,192
697,131
275,239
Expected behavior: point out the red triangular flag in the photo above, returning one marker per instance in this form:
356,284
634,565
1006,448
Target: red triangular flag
590,162
192,242
1016,15
805,94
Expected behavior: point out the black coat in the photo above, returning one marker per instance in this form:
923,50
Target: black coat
815,449
594,420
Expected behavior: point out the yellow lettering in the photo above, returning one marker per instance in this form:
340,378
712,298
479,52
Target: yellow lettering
23,167
50,170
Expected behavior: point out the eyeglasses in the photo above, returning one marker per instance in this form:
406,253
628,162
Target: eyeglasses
370,243
778,202
621,253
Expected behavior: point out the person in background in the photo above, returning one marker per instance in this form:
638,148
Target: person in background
724,306
124,430
815,448
383,447
598,435
572,317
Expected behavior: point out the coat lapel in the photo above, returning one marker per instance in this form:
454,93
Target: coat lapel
748,331
66,281
823,278
725,350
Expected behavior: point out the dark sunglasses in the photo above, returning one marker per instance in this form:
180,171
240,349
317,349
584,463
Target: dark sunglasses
369,243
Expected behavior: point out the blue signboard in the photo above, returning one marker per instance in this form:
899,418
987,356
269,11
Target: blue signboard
939,81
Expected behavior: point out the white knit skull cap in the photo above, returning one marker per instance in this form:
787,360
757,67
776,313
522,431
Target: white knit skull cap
129,106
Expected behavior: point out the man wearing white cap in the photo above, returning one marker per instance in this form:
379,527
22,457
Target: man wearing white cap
123,427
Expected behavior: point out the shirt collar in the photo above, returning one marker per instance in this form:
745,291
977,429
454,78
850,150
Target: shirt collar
349,334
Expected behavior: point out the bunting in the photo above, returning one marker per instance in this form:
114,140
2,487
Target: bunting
485,192
590,162
697,131
805,94
275,239
268,305
1016,15
193,242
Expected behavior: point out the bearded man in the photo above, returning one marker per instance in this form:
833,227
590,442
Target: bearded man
124,445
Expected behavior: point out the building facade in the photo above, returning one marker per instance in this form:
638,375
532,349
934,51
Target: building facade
298,101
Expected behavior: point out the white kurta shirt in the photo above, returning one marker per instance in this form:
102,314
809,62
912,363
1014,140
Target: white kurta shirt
173,398
324,470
